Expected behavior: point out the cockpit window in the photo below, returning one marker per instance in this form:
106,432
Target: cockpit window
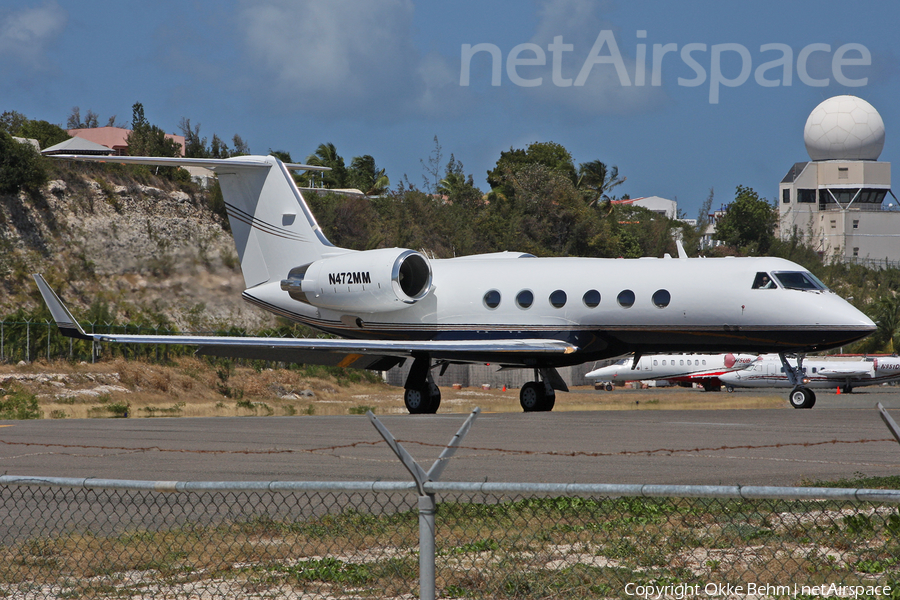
799,280
763,282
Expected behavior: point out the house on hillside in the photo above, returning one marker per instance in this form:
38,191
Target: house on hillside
116,138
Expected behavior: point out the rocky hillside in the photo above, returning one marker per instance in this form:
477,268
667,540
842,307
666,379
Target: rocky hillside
120,243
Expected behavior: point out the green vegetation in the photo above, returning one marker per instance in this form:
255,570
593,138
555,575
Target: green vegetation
21,167
573,547
18,404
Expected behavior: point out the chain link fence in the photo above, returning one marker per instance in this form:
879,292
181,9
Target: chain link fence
66,538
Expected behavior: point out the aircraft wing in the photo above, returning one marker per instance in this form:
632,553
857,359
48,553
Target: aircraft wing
361,354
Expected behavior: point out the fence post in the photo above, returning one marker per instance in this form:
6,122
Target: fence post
427,582
427,506
28,341
2,335
48,341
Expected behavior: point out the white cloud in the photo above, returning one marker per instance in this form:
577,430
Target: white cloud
602,92
336,55
26,35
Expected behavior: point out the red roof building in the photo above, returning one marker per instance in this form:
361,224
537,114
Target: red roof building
116,138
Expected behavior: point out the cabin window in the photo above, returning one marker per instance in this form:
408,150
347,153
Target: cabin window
681,362
655,363
799,280
492,299
689,362
814,369
591,298
626,298
558,299
661,298
525,299
704,362
763,282
664,363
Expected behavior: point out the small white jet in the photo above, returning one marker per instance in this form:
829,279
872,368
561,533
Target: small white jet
768,372
510,309
704,369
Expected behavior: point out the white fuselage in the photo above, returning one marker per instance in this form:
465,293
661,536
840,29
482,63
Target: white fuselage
710,306
679,367
769,373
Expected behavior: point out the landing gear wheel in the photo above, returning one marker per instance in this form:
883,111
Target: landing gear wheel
533,397
729,388
421,401
801,397
711,387
609,387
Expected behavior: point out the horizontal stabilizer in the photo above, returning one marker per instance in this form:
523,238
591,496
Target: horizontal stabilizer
209,163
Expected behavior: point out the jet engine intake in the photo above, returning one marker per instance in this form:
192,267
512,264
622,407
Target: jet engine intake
362,282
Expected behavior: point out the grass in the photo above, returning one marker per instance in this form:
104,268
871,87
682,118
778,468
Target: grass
570,547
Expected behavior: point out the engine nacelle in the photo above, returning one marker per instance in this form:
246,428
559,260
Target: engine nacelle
370,281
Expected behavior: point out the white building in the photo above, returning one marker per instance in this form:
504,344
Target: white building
841,201
662,206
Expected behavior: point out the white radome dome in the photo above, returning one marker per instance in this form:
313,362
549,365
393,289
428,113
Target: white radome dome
844,128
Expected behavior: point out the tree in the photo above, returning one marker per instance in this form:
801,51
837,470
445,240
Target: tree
21,167
11,121
282,155
240,146
550,154
90,121
194,145
218,148
326,156
596,181
45,133
886,315
149,140
748,223
455,185
432,167
366,177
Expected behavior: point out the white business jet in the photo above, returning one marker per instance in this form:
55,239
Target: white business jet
768,372
507,308
704,369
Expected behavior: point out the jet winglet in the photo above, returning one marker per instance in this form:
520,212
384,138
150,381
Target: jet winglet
64,319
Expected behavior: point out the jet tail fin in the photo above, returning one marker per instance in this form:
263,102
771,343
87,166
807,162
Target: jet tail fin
64,319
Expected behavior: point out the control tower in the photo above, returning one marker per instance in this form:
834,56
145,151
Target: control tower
841,200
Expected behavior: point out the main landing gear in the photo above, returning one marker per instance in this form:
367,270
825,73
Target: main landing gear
540,395
422,395
801,396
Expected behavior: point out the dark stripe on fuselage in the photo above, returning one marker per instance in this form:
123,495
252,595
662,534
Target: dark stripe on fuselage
596,342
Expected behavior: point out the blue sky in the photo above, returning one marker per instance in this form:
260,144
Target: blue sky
383,77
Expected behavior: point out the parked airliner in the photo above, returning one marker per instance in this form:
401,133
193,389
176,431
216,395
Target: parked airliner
704,369
768,372
509,308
